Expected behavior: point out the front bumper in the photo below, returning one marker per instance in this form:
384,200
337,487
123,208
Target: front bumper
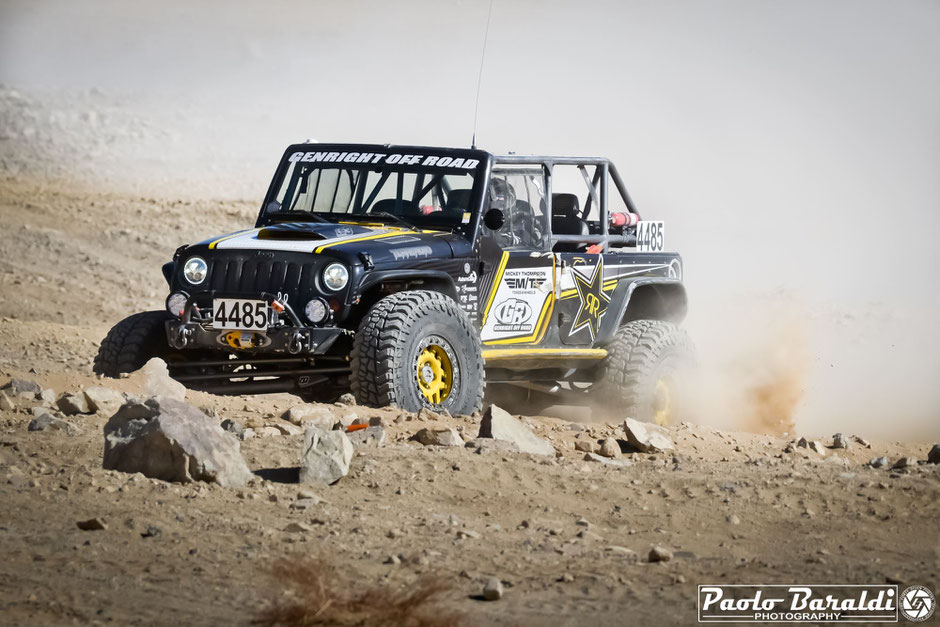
290,336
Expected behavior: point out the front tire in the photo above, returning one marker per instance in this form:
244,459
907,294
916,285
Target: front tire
645,371
418,349
131,343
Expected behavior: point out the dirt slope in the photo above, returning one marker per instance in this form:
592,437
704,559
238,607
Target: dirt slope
733,507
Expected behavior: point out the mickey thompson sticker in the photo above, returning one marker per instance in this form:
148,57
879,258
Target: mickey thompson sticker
799,603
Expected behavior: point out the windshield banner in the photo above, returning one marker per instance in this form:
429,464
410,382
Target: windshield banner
388,158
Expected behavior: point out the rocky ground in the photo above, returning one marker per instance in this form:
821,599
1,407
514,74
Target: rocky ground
569,538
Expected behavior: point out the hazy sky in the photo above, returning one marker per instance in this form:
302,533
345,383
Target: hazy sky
810,127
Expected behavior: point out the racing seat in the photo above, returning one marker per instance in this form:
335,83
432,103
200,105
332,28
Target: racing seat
566,220
458,201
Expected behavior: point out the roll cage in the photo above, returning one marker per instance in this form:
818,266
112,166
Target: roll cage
598,189
597,173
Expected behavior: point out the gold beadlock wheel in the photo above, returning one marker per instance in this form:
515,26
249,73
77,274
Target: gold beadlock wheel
664,407
434,371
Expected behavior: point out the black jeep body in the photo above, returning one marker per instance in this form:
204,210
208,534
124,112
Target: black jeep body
514,279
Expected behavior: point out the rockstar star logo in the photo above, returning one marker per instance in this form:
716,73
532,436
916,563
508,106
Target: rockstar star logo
593,300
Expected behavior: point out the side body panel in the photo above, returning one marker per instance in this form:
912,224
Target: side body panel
593,288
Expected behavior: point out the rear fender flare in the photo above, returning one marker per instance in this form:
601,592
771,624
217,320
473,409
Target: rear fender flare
623,295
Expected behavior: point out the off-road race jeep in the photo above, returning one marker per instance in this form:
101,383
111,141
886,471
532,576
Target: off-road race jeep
411,275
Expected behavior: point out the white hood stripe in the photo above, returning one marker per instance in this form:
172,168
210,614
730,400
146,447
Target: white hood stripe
249,240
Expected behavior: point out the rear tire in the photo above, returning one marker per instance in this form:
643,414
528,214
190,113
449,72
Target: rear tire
418,349
131,343
645,371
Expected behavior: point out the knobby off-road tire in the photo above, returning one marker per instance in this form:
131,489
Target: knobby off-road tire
405,330
131,343
645,372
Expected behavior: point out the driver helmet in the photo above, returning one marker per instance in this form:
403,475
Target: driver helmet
502,195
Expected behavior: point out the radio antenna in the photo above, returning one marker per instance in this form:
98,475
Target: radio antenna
476,107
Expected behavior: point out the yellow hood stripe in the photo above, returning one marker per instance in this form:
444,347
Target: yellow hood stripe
356,239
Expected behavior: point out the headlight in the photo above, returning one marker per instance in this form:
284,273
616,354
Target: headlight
175,303
316,310
335,276
195,270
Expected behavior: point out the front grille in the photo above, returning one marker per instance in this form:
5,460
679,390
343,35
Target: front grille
242,273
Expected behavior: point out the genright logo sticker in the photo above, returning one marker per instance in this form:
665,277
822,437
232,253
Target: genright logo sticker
513,315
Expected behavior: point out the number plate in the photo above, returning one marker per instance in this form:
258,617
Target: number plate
238,313
650,236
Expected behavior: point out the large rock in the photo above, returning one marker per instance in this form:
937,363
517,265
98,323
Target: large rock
103,400
493,589
609,448
46,421
167,439
154,380
6,403
499,424
660,554
647,437
585,446
447,436
347,418
933,457
594,457
22,387
327,455
71,404
370,436
234,427
489,445
313,415
46,397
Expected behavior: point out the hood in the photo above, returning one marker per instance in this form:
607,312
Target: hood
382,243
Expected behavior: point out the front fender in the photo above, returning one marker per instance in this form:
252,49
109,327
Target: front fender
440,279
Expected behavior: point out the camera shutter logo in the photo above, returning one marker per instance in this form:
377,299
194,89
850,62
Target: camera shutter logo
917,604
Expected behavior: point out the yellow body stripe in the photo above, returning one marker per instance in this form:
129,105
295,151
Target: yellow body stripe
543,353
548,317
496,280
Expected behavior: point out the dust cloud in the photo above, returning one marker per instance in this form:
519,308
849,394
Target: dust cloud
791,151
753,369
